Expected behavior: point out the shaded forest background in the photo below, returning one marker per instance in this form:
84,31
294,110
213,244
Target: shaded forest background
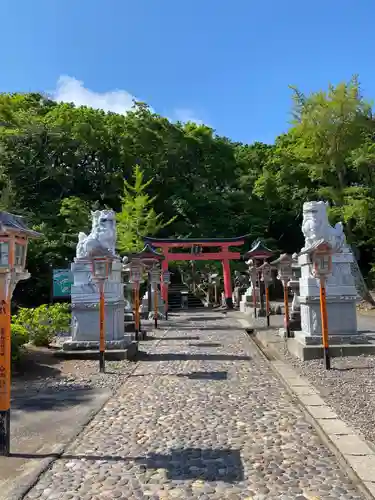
58,161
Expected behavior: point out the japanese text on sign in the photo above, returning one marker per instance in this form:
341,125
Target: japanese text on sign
2,341
3,380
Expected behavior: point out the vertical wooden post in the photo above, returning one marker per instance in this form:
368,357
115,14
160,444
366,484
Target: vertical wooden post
227,284
286,307
102,328
267,303
156,305
164,286
255,300
166,303
136,308
5,377
323,313
5,355
138,312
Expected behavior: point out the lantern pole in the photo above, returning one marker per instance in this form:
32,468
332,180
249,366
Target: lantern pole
265,270
323,313
286,307
5,367
166,276
156,306
155,281
253,279
136,309
101,267
284,265
321,256
135,278
101,328
13,250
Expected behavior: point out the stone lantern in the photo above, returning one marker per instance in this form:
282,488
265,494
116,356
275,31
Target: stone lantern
14,237
295,312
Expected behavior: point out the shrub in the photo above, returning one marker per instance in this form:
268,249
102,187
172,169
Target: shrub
43,323
19,337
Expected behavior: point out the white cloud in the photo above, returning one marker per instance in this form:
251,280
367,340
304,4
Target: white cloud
70,89
186,115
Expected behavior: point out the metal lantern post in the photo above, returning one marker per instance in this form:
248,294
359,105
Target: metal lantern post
284,266
321,257
14,236
257,254
101,269
266,277
166,283
155,281
145,260
136,278
253,278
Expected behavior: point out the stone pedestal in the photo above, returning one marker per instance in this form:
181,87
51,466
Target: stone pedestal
295,311
341,293
247,300
128,310
85,309
341,296
145,313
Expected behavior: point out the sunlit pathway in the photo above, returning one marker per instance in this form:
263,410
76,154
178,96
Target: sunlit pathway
204,417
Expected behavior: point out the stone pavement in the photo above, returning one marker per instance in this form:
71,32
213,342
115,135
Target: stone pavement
203,416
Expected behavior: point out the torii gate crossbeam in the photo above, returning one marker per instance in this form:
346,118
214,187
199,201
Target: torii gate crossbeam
225,255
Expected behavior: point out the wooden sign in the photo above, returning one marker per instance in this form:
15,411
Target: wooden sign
5,357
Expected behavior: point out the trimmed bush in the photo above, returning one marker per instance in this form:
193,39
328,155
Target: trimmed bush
19,337
43,323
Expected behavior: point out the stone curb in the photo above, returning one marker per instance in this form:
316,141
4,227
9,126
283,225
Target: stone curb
30,479
354,454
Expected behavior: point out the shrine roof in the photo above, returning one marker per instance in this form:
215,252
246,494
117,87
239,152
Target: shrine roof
148,252
192,241
258,248
16,224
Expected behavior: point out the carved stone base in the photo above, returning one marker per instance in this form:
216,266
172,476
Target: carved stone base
83,345
353,339
341,312
295,321
115,351
85,321
247,304
308,348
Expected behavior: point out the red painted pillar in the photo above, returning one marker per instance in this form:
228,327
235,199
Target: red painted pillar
164,288
227,283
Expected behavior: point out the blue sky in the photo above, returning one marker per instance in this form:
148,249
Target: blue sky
225,63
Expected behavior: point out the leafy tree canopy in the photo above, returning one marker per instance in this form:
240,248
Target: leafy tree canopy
59,161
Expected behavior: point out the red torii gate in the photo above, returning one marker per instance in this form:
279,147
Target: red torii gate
224,254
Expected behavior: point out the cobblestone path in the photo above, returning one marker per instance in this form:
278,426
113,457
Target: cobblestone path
204,417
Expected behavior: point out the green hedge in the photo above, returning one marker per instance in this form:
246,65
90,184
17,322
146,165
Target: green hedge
43,323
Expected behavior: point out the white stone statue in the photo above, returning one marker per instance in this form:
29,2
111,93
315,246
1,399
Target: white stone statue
315,227
102,235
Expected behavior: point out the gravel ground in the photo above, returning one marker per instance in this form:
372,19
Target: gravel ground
81,375
203,416
44,372
349,387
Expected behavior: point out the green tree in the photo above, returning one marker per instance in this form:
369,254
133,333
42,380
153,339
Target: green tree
328,127
137,217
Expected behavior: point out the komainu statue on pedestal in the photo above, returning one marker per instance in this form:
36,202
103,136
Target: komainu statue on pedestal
316,227
102,235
